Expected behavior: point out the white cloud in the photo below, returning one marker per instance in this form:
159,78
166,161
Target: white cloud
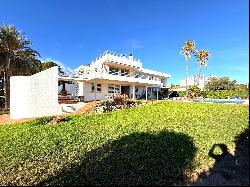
67,70
134,44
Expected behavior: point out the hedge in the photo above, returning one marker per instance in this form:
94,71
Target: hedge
224,94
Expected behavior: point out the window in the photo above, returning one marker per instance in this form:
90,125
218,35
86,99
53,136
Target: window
113,88
98,87
150,77
124,72
113,71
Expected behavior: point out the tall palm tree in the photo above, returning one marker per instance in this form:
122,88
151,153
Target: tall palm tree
16,57
202,59
188,46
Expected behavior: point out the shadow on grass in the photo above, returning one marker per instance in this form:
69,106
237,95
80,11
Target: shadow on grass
229,170
136,159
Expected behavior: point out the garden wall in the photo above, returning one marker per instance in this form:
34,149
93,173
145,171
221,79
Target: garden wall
35,95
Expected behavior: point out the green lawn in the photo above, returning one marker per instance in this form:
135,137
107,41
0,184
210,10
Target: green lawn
155,144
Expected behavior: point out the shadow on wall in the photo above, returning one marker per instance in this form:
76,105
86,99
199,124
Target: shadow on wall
229,169
136,159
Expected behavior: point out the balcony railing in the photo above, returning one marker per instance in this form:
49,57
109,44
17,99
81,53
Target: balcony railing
116,59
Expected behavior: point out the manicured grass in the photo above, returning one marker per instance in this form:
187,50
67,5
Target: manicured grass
155,144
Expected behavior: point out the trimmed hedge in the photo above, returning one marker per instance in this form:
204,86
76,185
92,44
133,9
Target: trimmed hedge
224,94
220,94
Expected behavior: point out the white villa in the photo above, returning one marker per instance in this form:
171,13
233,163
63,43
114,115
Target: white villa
112,74
193,81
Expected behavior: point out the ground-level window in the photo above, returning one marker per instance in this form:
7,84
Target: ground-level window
113,88
98,87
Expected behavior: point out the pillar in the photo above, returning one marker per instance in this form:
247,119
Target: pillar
157,93
133,92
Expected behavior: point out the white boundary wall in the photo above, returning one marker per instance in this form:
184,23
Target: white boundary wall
35,95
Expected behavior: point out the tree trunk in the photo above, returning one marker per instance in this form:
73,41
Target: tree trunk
6,87
199,74
186,78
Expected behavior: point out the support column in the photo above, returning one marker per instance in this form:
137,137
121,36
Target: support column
133,92
146,92
157,93
95,89
120,89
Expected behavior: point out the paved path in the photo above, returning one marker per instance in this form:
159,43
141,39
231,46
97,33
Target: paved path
5,118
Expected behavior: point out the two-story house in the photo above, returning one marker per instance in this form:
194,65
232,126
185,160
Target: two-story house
112,74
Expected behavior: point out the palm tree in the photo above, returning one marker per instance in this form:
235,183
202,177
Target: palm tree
16,57
188,46
202,58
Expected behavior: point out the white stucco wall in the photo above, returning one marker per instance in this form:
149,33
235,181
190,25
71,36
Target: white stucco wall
80,88
35,95
90,96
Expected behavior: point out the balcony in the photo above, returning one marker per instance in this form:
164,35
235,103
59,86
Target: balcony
119,60
117,76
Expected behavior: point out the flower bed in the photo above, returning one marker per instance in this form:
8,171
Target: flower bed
116,103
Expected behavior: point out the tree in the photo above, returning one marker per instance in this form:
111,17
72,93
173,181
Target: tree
47,65
50,64
223,83
202,58
194,91
16,57
188,46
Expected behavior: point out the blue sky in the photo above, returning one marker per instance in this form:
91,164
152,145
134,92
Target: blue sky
74,32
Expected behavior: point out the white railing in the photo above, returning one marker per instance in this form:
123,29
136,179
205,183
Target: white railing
118,59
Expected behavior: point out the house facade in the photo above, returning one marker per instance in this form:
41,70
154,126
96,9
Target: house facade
112,74
191,81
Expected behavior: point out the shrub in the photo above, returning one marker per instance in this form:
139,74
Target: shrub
224,94
117,102
194,91
120,99
181,93
173,94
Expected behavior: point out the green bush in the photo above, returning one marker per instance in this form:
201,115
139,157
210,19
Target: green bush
194,92
117,102
224,94
181,93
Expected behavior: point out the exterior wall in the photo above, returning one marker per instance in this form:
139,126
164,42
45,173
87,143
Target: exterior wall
193,80
90,96
35,95
80,89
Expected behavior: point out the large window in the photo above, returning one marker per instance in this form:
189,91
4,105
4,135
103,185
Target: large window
114,89
98,87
